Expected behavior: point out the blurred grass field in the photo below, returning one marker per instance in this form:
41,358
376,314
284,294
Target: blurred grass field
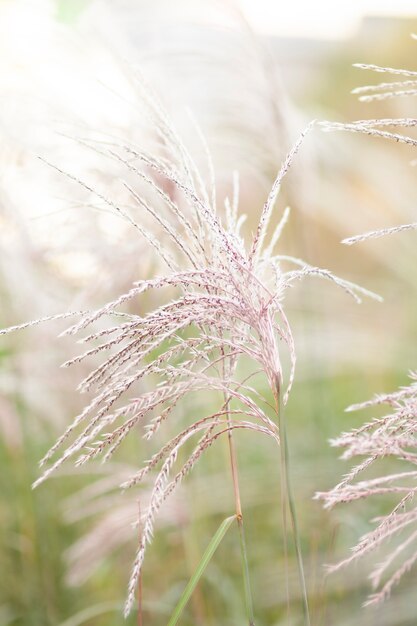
66,548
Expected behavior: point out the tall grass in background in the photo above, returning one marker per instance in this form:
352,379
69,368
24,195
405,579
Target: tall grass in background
392,436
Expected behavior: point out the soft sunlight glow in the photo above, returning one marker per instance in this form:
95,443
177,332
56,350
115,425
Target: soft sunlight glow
51,81
324,19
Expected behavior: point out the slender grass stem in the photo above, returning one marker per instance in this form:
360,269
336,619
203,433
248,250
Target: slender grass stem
140,604
284,504
285,477
239,519
239,515
140,595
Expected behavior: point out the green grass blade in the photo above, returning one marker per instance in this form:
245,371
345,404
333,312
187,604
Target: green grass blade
205,560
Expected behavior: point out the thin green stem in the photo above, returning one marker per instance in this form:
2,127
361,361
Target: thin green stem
239,519
238,510
246,577
286,480
140,596
284,500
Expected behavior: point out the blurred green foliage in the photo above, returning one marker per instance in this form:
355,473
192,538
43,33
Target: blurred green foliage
68,11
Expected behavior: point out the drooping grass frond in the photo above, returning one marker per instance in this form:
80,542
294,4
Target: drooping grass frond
391,436
382,91
375,234
385,70
389,90
223,309
367,128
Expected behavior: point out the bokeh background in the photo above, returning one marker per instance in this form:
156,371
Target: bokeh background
250,76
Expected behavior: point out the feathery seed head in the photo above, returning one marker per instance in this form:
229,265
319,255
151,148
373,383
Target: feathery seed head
228,308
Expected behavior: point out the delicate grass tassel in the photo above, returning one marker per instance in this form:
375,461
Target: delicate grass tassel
227,308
